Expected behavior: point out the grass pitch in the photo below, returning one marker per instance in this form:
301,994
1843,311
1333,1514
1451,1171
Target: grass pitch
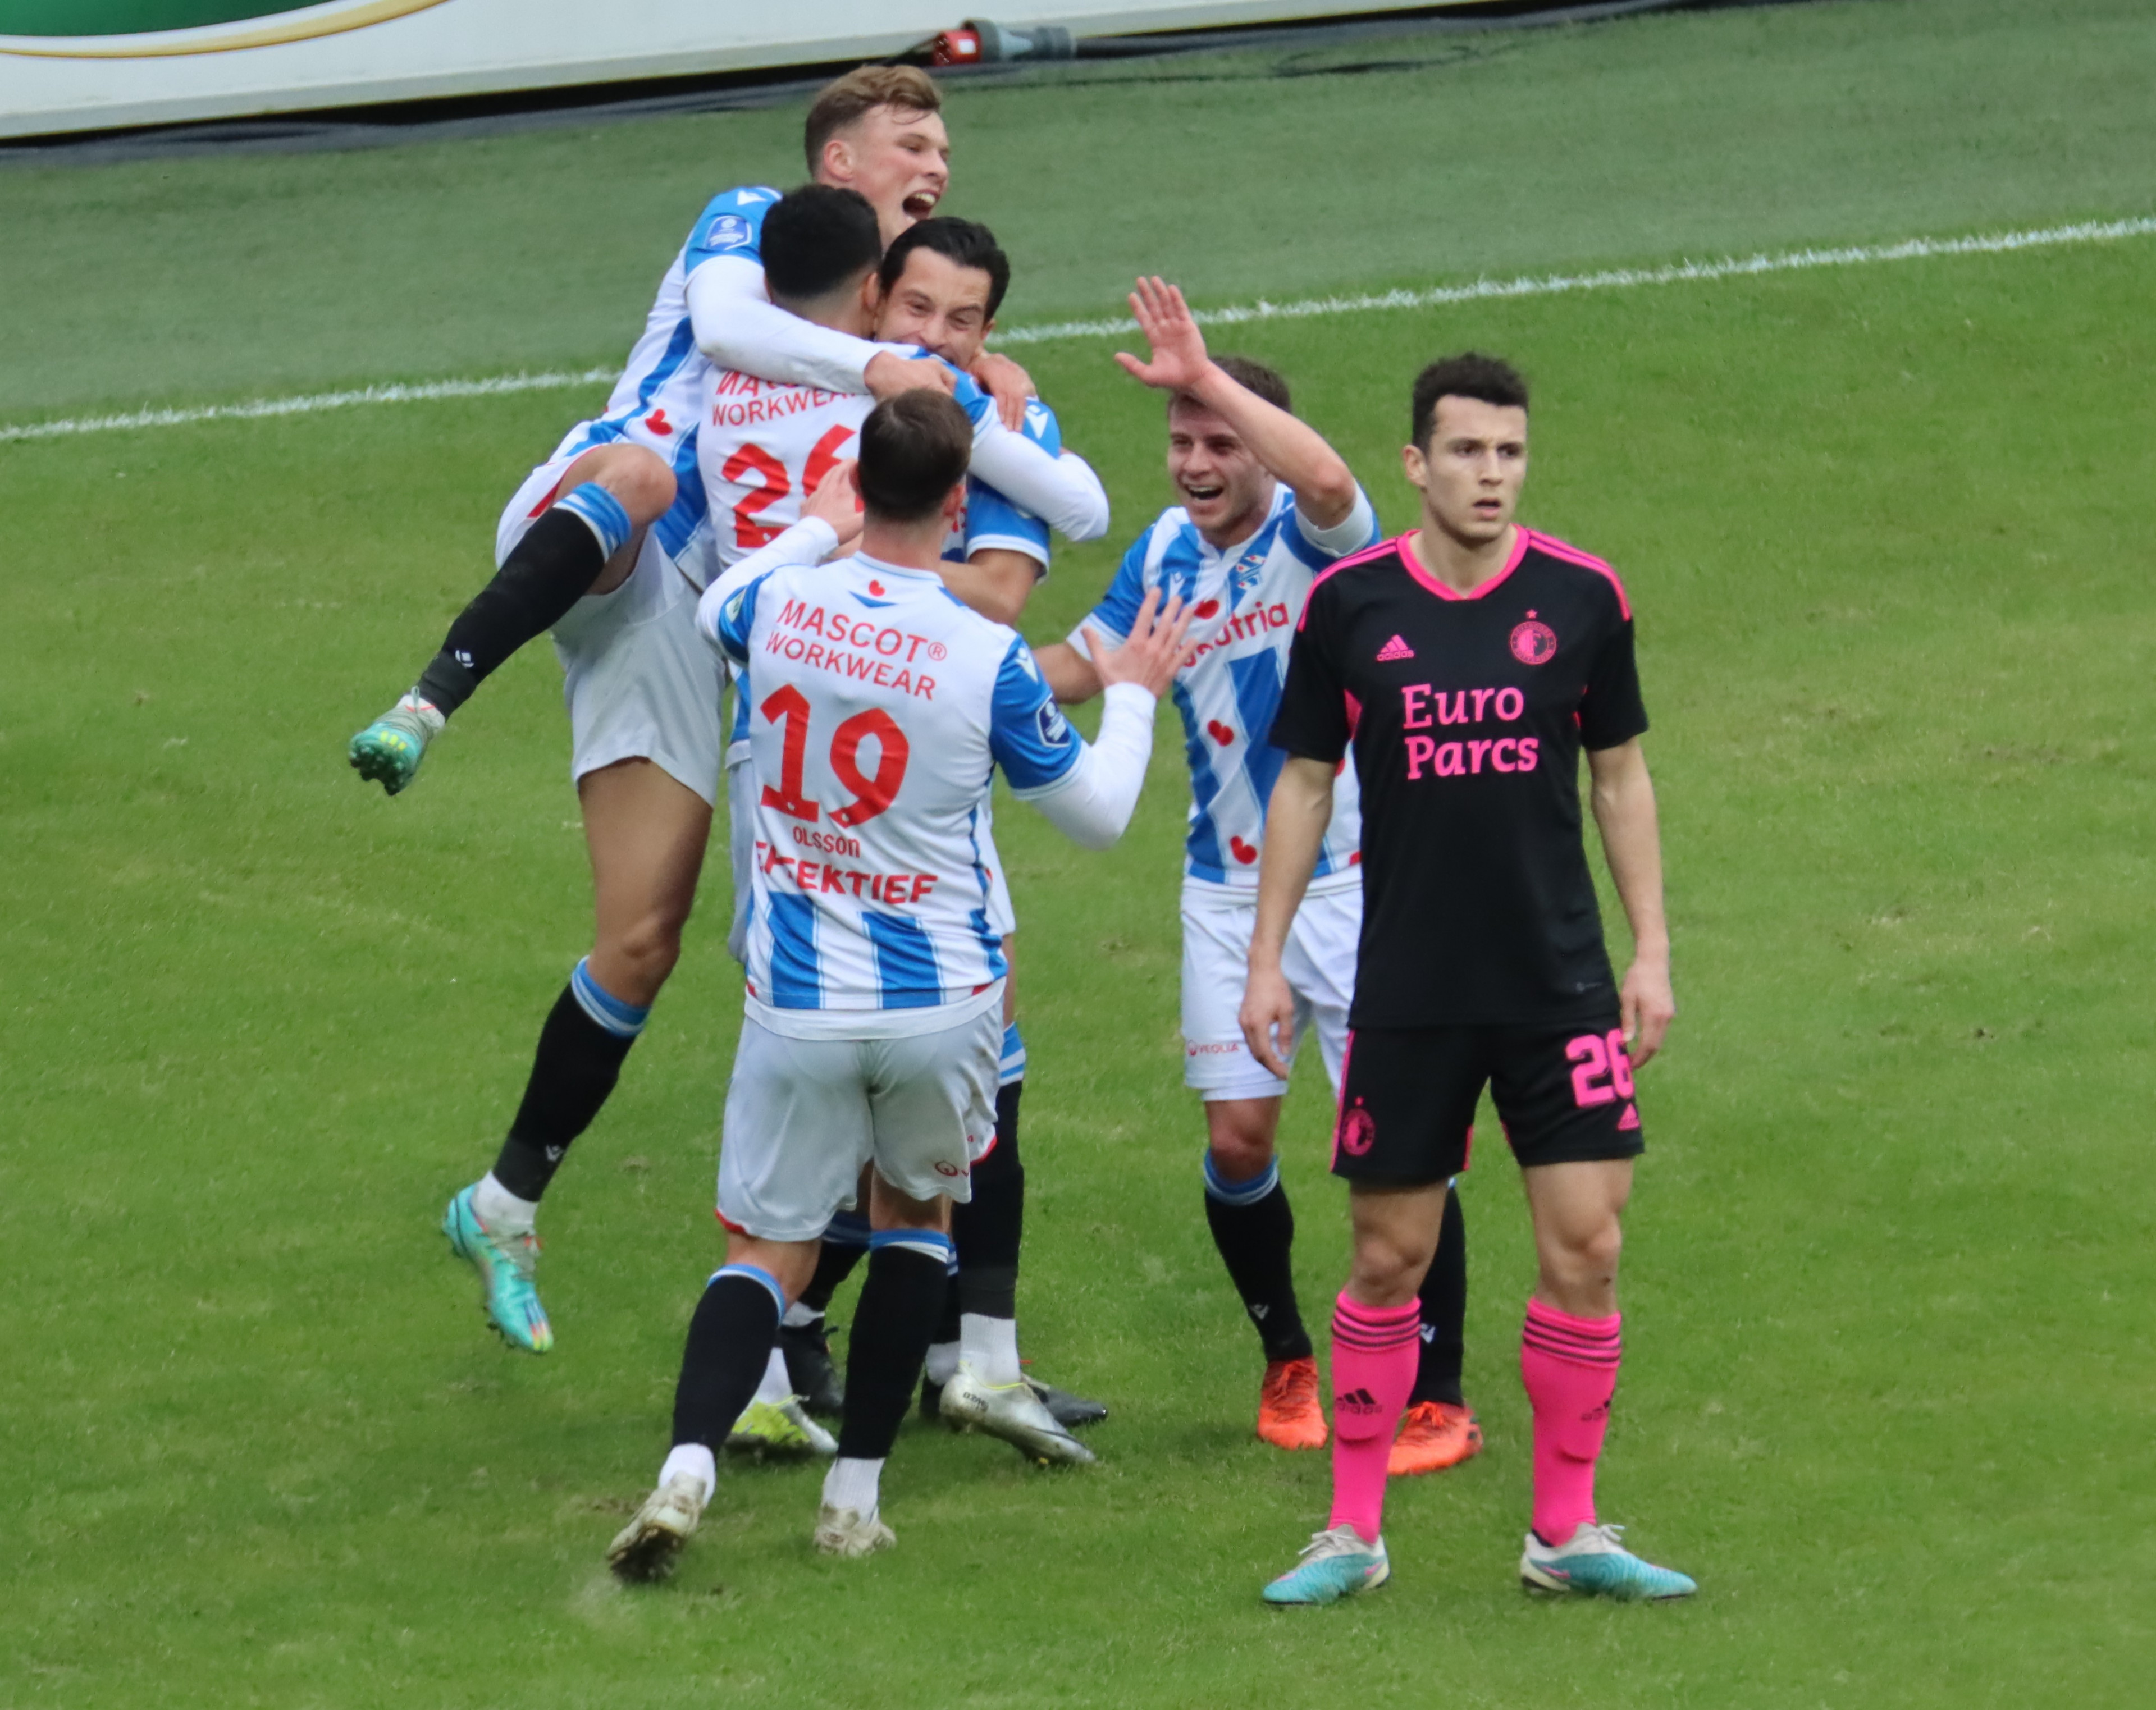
1886,1387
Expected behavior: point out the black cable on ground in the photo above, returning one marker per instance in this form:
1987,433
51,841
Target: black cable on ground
510,112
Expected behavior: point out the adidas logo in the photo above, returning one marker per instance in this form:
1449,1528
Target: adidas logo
1630,1121
1357,1401
1393,650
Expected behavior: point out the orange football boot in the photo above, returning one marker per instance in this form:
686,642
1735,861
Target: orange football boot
1289,1415
1434,1434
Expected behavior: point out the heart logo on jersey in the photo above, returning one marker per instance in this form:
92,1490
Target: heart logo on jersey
657,422
1222,734
875,588
1207,608
1241,851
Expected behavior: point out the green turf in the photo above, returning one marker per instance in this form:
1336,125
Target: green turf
1885,1395
1867,120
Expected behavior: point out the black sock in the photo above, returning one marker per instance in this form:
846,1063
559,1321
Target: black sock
1254,1228
890,1339
729,1346
577,1064
845,1245
988,1231
1444,1312
553,567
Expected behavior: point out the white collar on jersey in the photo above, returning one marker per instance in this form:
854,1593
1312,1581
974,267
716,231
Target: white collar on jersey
880,567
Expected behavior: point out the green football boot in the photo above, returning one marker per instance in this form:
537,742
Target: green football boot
505,1264
389,751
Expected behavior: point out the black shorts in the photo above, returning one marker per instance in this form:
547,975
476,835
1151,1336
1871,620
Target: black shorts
1407,1098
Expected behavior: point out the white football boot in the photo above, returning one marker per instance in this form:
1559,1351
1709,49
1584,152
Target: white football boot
843,1532
1013,1412
644,1549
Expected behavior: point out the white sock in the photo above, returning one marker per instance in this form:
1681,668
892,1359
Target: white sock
854,1484
695,1460
943,1362
776,1386
500,1210
990,1347
429,714
799,1316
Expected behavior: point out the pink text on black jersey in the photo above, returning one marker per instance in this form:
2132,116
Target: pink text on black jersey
1423,707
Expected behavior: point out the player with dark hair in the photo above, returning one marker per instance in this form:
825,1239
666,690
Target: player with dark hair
589,547
943,281
1266,506
882,709
1467,664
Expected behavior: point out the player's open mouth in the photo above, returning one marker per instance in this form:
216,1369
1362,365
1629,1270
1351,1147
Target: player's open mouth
1203,495
921,204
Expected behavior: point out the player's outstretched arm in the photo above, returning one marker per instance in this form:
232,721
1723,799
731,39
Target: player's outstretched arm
1296,819
1061,490
1069,673
995,582
1092,798
736,325
830,522
1622,796
1325,488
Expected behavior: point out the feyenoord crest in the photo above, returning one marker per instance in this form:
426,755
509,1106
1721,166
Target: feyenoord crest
1358,1132
1533,644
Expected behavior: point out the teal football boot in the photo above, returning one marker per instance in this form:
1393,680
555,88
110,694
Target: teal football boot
1594,1564
1335,1564
388,752
505,1264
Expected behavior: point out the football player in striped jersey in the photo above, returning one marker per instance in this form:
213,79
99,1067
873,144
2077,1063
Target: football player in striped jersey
588,547
1265,506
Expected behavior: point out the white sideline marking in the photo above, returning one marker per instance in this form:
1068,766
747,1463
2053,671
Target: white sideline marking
1617,278
310,404
1434,296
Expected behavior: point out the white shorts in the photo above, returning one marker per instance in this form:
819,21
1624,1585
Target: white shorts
640,684
1320,965
803,1115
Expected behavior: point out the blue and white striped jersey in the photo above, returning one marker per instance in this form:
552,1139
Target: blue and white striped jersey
881,708
654,402
994,521
1247,600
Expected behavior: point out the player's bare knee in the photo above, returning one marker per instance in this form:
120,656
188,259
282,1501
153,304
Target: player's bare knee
1238,1135
638,959
642,482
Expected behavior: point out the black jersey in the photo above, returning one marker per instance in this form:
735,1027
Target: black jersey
1467,713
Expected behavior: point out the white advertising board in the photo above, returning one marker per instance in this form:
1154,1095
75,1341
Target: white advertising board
97,64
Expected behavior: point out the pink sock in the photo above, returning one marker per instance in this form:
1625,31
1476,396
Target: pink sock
1374,1351
1569,1366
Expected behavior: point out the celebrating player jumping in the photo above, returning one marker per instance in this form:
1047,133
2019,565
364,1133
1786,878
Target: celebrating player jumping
1466,664
1267,505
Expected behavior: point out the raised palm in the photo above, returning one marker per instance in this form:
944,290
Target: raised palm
1178,348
